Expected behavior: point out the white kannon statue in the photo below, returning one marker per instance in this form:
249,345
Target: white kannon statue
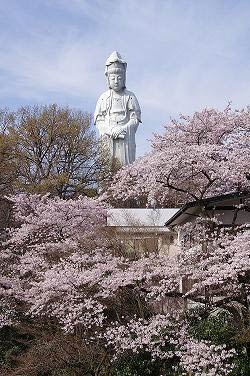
117,114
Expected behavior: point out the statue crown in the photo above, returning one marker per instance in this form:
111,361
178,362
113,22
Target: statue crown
115,64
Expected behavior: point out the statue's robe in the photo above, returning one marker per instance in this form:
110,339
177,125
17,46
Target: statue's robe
112,111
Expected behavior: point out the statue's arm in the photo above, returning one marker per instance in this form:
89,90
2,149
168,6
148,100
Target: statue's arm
102,127
134,118
100,120
134,110
120,131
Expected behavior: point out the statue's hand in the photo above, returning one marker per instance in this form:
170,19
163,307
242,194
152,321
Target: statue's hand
118,132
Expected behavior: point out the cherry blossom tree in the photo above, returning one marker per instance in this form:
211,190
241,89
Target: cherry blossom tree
59,263
197,156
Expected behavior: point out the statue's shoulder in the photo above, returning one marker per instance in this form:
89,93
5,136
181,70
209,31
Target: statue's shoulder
131,97
129,93
104,96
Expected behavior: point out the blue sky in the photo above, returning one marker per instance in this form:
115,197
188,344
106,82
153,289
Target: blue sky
183,55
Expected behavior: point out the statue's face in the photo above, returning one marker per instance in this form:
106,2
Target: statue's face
116,81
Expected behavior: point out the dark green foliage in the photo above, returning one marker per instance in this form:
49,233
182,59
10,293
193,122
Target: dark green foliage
218,326
142,365
221,327
12,344
242,365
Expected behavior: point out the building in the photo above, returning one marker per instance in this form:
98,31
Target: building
230,210
142,231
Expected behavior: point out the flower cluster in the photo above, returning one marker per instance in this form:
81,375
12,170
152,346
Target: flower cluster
156,336
202,358
166,337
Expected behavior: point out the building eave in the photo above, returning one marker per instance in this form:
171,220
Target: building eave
204,203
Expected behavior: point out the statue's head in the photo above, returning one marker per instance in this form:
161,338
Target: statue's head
116,72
